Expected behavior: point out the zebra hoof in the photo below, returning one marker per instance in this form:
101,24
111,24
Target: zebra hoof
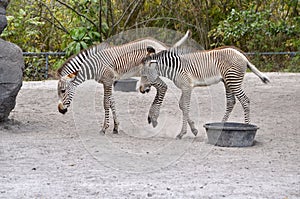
115,131
102,132
178,137
195,132
149,120
154,123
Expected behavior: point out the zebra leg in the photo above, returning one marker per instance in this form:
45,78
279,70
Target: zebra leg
192,126
113,110
230,102
107,104
190,122
184,104
244,100
161,89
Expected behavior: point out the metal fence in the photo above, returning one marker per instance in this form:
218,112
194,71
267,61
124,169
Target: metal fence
292,54
46,55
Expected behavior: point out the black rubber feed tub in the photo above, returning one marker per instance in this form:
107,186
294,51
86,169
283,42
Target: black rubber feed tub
230,134
125,85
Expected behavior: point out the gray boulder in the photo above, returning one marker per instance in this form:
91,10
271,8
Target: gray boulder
3,21
11,76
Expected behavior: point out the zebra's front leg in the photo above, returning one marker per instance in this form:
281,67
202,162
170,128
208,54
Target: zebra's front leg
107,104
153,115
184,105
161,89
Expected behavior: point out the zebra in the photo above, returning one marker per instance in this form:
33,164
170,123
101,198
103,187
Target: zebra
197,69
105,64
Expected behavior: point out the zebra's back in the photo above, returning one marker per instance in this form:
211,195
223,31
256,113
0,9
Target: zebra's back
213,63
125,59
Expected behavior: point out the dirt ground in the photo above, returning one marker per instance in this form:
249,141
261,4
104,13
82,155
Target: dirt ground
44,154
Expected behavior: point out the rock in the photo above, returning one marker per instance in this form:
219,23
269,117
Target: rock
3,21
11,76
4,3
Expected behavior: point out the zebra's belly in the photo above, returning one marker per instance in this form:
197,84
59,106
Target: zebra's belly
206,81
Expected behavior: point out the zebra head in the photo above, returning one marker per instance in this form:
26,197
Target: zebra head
66,90
149,71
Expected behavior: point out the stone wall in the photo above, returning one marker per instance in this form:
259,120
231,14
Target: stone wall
11,69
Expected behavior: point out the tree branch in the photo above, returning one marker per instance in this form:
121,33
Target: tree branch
164,18
61,27
78,13
100,20
133,12
58,27
122,16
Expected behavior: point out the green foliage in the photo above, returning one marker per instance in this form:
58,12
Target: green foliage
23,29
73,25
256,31
34,69
56,63
275,63
293,65
82,37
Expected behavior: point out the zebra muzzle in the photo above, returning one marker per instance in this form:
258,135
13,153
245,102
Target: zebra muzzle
61,108
144,89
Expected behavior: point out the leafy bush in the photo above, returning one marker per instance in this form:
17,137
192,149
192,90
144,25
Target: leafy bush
82,38
24,30
276,63
34,69
253,30
72,25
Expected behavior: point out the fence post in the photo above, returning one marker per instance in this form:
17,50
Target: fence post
47,66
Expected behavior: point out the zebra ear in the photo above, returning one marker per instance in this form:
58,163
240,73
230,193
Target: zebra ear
71,76
150,50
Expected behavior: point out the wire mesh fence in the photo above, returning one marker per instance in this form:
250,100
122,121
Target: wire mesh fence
42,66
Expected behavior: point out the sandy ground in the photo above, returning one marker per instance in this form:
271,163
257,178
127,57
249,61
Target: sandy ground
44,154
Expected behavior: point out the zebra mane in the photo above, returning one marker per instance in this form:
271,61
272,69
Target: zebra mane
95,48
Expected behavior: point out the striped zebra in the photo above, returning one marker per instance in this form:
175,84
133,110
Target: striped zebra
201,68
104,64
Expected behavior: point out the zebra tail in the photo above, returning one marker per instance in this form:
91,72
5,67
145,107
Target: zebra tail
183,39
263,77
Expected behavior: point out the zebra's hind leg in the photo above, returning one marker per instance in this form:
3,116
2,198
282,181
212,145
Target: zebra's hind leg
230,102
244,100
113,110
192,126
184,105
